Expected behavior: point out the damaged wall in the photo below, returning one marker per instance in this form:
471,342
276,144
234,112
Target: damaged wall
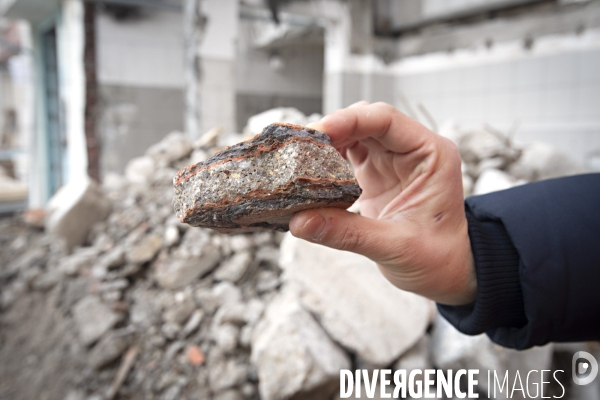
140,77
538,69
276,71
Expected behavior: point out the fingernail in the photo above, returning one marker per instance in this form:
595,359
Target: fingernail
313,228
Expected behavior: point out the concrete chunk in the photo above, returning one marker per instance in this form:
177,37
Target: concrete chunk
294,356
74,209
355,304
260,184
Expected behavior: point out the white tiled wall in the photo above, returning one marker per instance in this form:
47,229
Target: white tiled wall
146,52
555,98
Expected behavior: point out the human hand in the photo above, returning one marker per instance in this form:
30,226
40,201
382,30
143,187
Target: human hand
412,221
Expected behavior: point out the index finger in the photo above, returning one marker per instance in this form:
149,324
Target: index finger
394,130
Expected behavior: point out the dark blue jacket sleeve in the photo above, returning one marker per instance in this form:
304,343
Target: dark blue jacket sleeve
537,257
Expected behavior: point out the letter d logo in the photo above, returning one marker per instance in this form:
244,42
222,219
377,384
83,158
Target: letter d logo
580,368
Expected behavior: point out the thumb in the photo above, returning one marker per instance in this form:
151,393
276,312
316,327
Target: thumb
343,230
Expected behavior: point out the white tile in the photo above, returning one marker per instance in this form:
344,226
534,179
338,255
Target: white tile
430,83
587,102
501,105
528,104
454,107
560,68
529,73
451,81
589,66
475,79
557,103
475,107
500,76
411,85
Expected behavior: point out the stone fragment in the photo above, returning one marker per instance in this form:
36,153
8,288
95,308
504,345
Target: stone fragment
453,350
259,184
144,250
82,257
293,355
170,330
417,357
108,349
181,272
93,318
234,268
171,236
240,242
140,169
74,209
482,144
194,355
492,180
263,238
542,161
268,254
228,395
118,284
179,312
144,309
114,258
193,323
29,259
355,304
226,293
231,313
266,281
227,374
226,336
173,147
198,156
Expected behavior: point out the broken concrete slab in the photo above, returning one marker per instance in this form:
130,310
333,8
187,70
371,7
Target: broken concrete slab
93,318
144,250
355,304
293,355
181,272
74,209
259,184
173,147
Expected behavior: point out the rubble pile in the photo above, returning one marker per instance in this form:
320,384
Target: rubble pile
132,304
492,161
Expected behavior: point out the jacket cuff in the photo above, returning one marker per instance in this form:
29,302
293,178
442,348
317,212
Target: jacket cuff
499,301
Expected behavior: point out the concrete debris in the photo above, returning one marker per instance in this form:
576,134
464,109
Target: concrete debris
93,319
293,355
492,180
356,305
542,161
452,350
492,161
140,170
145,250
234,268
73,210
126,301
108,349
181,272
173,147
259,184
